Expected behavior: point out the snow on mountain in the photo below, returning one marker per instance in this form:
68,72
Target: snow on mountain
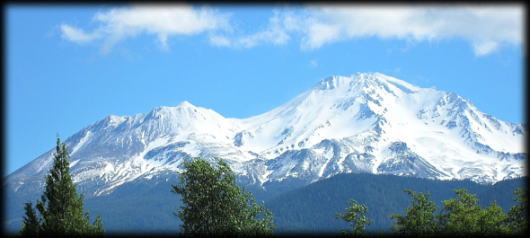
368,122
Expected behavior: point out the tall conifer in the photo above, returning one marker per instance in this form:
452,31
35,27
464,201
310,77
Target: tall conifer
31,221
60,207
518,214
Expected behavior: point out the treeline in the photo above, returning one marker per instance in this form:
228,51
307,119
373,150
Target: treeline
459,216
382,194
213,204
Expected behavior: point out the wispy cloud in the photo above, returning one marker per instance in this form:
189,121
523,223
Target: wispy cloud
218,40
78,35
486,28
276,32
162,21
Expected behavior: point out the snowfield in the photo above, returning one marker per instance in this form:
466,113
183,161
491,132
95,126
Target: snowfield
368,122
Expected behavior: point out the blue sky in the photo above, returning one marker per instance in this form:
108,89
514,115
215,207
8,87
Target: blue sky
67,67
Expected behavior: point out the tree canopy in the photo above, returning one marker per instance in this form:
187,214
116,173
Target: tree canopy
464,215
214,204
420,218
60,207
518,214
355,214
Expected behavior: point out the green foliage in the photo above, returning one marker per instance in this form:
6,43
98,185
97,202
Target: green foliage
518,217
355,214
464,215
460,215
420,218
492,220
383,194
31,222
214,204
60,207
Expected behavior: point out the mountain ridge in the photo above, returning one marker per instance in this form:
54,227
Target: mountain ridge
368,122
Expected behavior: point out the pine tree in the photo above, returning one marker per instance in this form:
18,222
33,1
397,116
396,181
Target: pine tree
30,227
460,215
493,220
463,215
356,215
214,204
518,216
60,207
420,218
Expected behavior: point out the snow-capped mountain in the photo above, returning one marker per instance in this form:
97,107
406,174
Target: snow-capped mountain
368,122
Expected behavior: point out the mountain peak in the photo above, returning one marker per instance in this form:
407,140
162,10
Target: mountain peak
385,80
345,124
364,80
185,104
331,82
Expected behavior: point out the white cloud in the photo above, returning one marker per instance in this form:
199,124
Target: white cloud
160,20
485,27
485,48
218,40
276,32
77,35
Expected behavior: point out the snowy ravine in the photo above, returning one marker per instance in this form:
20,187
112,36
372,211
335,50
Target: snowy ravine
368,122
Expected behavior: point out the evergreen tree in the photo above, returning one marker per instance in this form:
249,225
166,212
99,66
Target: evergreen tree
30,227
60,207
464,216
420,218
356,215
518,217
460,215
493,220
214,204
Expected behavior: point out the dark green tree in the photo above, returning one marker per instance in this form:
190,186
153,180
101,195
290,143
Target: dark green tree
355,214
214,204
464,216
31,224
493,220
420,218
460,215
517,216
60,207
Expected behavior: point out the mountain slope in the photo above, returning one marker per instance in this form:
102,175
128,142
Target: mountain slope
312,208
368,122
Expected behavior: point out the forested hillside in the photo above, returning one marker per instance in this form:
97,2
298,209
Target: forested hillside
313,207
